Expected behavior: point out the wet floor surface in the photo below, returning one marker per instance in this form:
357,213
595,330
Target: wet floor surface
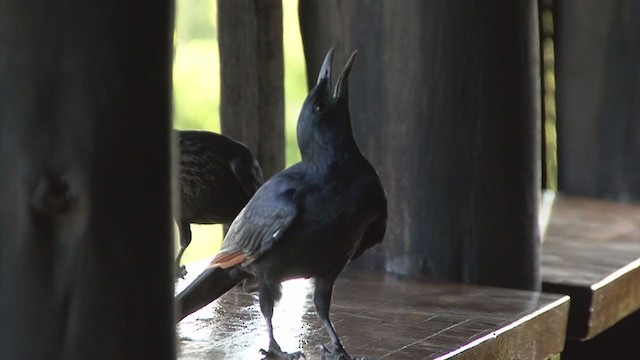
384,317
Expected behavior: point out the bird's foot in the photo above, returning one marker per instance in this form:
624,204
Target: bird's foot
338,354
281,355
181,272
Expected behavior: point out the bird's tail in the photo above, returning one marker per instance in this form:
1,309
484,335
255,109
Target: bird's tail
207,287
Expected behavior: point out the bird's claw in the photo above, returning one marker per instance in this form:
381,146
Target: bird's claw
181,272
338,354
280,355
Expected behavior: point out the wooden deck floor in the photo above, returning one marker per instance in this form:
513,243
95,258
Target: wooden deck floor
384,317
592,253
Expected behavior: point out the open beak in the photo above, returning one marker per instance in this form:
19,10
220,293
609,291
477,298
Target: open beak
342,86
325,70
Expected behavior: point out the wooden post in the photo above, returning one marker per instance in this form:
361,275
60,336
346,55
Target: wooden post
598,98
445,101
252,74
85,216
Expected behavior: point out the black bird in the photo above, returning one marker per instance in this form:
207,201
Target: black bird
216,179
309,220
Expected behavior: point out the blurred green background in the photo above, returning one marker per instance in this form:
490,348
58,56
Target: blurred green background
196,86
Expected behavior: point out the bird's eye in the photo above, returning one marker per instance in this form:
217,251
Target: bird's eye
319,107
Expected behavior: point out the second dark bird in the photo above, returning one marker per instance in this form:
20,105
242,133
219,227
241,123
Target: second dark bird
309,220
216,178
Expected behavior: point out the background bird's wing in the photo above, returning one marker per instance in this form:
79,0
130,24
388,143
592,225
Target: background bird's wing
202,162
376,230
248,173
259,225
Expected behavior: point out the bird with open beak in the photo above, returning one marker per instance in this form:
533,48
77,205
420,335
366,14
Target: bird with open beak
308,221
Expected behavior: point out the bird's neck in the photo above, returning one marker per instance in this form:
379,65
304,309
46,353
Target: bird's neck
326,156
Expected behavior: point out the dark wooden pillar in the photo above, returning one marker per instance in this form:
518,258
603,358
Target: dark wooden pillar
252,74
598,97
446,104
85,217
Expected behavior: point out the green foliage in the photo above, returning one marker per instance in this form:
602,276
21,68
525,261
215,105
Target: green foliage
196,85
195,19
295,79
196,67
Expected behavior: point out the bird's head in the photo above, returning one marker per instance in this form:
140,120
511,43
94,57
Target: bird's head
324,123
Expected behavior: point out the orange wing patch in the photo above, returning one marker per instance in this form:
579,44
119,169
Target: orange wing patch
226,260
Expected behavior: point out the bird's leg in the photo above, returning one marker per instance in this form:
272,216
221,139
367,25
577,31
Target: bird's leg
268,294
184,230
322,300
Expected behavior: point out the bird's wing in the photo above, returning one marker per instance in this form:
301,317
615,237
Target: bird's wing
200,162
376,230
248,173
259,225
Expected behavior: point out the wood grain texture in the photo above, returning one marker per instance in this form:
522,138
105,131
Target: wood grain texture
85,208
598,98
444,99
592,253
386,317
252,78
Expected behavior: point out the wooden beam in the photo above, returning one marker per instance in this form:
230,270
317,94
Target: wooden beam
252,77
592,253
85,217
